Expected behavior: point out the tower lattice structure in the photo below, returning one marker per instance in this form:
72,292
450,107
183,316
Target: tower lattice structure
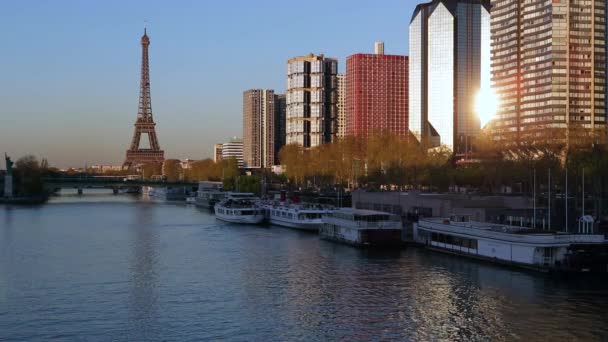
145,122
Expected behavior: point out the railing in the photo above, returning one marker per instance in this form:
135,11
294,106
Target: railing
110,180
548,238
363,224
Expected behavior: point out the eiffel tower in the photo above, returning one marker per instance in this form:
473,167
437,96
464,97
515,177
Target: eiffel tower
144,123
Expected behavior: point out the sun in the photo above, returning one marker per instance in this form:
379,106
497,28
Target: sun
486,105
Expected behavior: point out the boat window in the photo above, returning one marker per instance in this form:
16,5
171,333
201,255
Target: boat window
454,240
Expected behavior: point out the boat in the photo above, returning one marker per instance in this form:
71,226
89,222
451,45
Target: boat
167,193
514,245
240,207
208,194
131,190
361,228
305,216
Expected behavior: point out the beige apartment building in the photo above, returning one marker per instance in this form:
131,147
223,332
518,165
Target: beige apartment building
548,68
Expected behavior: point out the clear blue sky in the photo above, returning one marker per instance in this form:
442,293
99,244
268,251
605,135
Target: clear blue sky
69,70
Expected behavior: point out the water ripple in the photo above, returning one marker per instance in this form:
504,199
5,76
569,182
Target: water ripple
124,270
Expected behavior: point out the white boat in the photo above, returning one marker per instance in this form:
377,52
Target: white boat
362,227
513,245
240,208
208,194
304,216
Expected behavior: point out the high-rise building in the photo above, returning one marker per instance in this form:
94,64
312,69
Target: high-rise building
259,128
311,100
548,67
234,149
376,94
280,123
449,44
341,117
217,152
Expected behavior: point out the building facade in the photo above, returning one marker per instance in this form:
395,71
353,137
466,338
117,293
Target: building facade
376,94
280,107
548,67
341,116
217,152
234,149
258,128
311,100
449,65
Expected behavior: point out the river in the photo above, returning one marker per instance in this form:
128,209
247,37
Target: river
116,268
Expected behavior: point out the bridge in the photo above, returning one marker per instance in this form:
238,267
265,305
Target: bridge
114,183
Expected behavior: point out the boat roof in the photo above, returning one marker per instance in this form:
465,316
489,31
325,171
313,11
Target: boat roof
362,212
241,195
494,227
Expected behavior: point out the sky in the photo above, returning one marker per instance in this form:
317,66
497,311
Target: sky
69,70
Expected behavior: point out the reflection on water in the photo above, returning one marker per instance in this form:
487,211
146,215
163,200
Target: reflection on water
144,292
103,267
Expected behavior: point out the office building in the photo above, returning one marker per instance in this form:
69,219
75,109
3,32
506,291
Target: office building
311,100
548,68
280,107
449,60
258,128
376,94
341,117
234,149
217,152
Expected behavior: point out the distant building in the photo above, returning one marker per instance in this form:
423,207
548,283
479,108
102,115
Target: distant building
341,117
259,128
376,93
217,152
449,44
105,168
311,100
187,163
280,107
548,67
234,149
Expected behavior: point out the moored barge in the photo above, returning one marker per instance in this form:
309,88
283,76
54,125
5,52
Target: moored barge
518,246
361,228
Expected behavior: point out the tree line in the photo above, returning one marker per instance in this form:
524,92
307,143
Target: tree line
387,161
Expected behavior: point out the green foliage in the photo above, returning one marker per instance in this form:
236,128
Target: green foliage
28,175
249,184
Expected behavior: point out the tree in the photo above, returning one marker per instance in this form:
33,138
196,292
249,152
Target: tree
172,169
249,184
229,171
151,169
29,176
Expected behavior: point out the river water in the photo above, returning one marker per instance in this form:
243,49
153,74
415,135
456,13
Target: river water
117,268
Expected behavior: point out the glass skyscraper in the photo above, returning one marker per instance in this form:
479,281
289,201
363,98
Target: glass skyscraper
449,65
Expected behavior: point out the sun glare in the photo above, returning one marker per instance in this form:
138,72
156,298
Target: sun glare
486,105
